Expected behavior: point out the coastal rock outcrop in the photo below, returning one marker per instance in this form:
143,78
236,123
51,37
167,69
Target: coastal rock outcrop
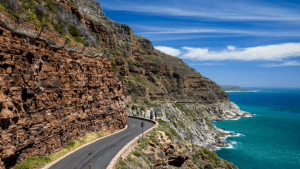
50,96
193,121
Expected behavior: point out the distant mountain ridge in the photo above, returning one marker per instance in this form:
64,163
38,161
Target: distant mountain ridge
232,88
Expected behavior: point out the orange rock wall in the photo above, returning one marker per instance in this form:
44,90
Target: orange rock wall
49,97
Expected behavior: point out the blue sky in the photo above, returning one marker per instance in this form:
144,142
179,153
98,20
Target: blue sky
246,43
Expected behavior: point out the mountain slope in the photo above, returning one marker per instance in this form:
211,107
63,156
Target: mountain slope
68,57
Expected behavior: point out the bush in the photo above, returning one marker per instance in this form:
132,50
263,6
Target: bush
134,107
2,7
142,146
27,6
50,5
58,28
73,31
207,151
78,39
121,165
162,122
136,153
208,165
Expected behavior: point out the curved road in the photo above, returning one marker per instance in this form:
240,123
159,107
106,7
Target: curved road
101,152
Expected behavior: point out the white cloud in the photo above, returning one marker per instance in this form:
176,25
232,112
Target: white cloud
168,50
231,47
290,63
212,31
270,52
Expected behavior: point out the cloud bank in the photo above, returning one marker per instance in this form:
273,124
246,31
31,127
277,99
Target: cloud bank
169,50
290,63
270,52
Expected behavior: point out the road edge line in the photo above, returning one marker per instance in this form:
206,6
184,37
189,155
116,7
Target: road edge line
73,151
129,146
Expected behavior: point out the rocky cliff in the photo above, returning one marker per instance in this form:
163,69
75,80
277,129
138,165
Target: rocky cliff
50,96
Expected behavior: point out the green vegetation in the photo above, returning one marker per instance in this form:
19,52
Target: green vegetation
13,13
50,5
33,18
58,28
33,162
27,6
210,125
70,145
73,31
2,7
170,132
136,153
39,162
134,107
76,34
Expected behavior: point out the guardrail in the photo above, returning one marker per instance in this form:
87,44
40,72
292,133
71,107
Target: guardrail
129,146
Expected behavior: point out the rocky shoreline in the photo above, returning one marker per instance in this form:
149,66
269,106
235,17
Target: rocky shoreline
193,122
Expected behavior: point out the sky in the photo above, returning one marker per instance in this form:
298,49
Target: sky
233,42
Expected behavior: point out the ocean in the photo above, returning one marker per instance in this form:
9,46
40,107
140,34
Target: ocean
271,138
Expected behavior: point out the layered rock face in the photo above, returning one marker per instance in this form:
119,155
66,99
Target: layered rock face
50,96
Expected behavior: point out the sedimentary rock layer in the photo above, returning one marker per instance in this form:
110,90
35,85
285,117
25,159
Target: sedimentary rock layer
50,96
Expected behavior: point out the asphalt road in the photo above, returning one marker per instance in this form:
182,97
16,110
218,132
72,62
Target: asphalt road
101,152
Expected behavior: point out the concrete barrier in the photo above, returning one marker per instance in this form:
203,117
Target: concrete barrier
129,146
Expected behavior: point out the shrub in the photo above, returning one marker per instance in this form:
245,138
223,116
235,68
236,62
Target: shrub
27,6
207,151
50,5
58,28
30,16
73,31
2,7
162,122
142,146
78,39
208,165
136,153
173,132
13,13
134,107
122,164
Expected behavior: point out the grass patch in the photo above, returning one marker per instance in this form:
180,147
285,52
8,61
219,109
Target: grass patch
33,162
39,162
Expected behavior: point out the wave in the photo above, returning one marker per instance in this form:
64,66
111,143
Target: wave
237,118
230,146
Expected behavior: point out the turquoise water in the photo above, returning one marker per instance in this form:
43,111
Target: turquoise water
271,138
